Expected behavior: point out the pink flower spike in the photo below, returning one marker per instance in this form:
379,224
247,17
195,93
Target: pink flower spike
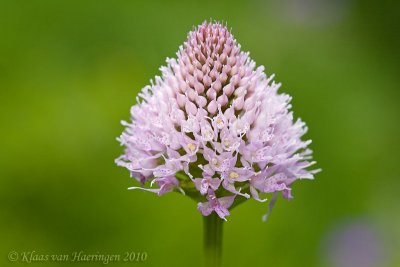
214,124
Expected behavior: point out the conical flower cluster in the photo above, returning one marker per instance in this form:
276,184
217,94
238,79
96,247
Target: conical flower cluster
214,127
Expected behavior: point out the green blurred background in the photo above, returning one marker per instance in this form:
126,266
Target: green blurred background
70,70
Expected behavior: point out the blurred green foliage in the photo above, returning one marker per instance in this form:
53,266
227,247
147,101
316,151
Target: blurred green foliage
70,70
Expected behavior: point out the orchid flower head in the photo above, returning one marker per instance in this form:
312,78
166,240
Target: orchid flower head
214,126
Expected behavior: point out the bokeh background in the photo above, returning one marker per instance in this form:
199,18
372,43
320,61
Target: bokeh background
70,70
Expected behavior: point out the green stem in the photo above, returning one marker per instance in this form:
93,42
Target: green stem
213,225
